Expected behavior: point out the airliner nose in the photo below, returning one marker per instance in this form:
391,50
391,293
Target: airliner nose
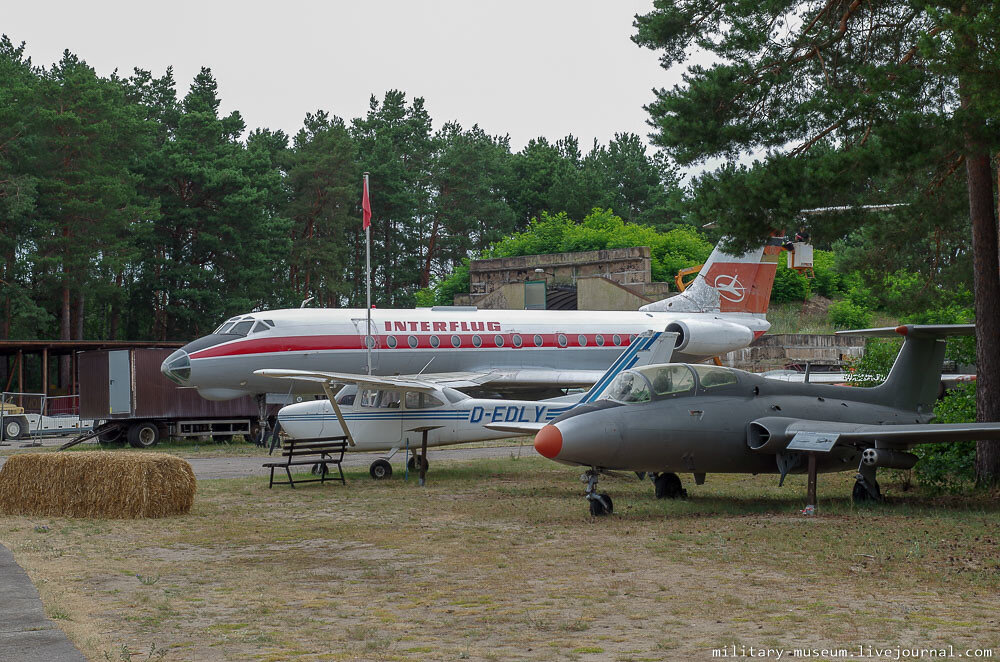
177,367
549,441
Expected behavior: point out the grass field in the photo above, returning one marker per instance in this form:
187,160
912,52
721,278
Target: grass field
498,559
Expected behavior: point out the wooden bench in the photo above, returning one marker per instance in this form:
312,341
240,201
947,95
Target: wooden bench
319,451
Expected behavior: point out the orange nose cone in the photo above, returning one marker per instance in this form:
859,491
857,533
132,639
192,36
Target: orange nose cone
548,441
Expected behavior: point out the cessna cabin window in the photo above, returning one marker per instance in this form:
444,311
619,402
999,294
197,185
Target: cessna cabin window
671,379
377,399
418,400
712,376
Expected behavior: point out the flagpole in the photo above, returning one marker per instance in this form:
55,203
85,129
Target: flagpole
368,281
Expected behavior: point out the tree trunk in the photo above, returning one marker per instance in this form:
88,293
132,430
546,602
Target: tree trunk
986,265
79,315
64,334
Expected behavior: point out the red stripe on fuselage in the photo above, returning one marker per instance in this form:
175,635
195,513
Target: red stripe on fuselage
354,342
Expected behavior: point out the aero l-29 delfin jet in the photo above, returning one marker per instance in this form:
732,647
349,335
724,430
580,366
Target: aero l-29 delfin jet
664,419
392,413
539,351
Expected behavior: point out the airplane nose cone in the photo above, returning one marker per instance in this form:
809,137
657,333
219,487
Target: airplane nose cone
177,367
548,441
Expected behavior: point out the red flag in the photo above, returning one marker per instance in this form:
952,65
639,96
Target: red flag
366,207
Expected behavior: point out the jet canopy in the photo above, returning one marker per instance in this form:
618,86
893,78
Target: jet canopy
654,382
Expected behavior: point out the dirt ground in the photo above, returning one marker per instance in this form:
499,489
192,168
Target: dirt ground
498,559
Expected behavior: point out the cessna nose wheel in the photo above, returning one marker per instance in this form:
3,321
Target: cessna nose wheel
380,469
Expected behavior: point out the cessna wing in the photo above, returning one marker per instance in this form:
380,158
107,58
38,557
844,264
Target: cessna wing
775,434
427,383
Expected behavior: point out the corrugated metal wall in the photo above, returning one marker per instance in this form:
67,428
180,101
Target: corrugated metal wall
153,395
93,373
156,396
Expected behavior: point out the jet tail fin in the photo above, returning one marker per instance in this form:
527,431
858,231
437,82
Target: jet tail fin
726,283
915,378
647,348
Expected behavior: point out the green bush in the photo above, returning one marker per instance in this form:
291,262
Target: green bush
789,285
950,466
845,314
874,365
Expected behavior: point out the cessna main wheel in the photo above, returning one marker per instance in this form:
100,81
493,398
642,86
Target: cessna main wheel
412,465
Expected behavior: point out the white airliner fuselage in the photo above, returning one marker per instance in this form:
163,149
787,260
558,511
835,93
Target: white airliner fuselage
721,311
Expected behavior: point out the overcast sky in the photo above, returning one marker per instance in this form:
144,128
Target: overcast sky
520,67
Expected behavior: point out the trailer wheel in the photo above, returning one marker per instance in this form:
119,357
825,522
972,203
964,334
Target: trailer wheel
111,435
14,428
143,435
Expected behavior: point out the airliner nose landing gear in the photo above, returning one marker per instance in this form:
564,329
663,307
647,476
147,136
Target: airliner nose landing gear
600,504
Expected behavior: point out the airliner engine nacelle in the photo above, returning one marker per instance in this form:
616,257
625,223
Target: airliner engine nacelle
709,337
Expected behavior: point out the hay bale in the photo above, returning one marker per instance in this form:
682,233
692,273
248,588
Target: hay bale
110,485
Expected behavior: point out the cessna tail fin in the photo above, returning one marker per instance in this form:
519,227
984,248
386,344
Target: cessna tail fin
726,283
915,378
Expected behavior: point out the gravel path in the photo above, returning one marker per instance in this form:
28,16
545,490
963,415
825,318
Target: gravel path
240,466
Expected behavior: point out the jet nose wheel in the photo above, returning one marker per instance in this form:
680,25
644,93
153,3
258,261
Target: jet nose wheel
380,469
601,505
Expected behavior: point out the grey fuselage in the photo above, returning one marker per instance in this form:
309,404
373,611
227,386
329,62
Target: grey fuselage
706,430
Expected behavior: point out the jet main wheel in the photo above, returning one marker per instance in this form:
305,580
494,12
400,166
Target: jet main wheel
601,505
412,465
861,495
380,469
668,486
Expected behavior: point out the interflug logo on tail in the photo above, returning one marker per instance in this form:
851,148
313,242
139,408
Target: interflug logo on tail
730,288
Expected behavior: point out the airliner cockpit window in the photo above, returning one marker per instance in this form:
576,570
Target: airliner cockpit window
241,328
629,387
259,326
671,379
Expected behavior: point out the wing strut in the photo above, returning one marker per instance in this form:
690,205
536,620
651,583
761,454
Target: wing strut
340,416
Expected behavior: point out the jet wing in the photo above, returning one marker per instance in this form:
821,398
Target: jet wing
905,436
427,383
542,377
866,436
517,428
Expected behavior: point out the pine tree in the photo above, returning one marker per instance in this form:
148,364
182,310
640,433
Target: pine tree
841,94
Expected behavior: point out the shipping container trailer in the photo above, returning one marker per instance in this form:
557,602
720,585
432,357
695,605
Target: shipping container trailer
126,394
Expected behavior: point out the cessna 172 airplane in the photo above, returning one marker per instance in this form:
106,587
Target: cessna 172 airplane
392,413
675,417
723,309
